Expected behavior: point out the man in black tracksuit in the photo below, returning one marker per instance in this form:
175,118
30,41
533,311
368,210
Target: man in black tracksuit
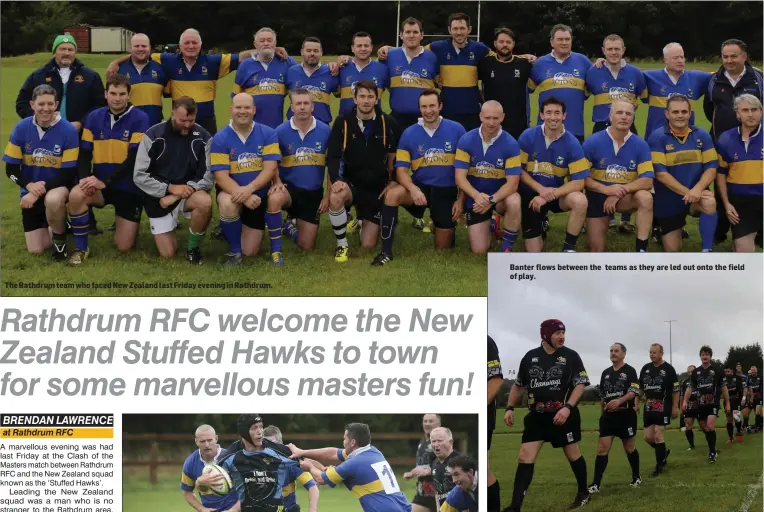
360,162
736,76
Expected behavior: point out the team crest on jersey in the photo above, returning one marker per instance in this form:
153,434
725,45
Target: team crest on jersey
498,162
535,155
48,79
290,147
535,360
548,73
318,146
420,150
101,136
669,147
472,56
127,75
79,79
623,375
204,70
602,162
180,71
561,360
323,86
632,165
563,79
700,144
607,377
448,146
154,74
663,89
517,73
259,150
560,160
662,373
604,86
126,134
735,156
448,56
56,149
689,93
424,73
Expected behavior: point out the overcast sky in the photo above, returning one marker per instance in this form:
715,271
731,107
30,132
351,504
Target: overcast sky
718,308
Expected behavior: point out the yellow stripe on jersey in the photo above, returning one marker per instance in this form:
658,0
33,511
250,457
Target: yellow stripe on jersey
579,165
446,507
146,94
87,135
359,491
462,156
687,156
205,493
611,177
109,151
523,157
288,489
644,167
403,156
459,76
304,478
307,159
136,137
658,157
236,89
513,162
187,480
492,173
156,57
418,83
442,159
709,155
13,151
493,364
605,98
722,163
273,89
272,149
531,85
200,90
658,101
546,168
225,65
253,165
747,172
644,94
333,476
70,155
570,83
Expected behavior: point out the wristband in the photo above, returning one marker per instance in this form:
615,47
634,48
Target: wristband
491,200
568,407
510,408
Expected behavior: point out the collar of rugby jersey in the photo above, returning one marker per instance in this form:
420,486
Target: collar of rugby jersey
265,65
301,134
734,81
560,61
409,59
750,136
615,142
615,72
488,144
40,130
358,67
475,482
361,121
242,139
430,131
673,81
217,454
547,140
116,117
306,70
358,451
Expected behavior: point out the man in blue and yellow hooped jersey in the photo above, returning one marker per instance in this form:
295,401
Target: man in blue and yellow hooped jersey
465,495
244,157
562,74
685,163
361,67
264,77
192,479
41,157
109,145
740,174
363,469
148,79
273,433
315,77
621,177
427,148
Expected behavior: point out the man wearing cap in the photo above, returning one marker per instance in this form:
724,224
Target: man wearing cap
554,378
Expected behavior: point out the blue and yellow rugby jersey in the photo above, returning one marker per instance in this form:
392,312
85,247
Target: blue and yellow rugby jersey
628,86
367,474
201,82
684,158
350,74
409,79
430,158
629,163
321,85
267,84
146,87
660,88
459,500
192,469
244,159
459,75
42,154
565,81
290,496
303,161
741,162
549,166
487,171
111,142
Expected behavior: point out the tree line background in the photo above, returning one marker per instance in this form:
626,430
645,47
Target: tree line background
29,27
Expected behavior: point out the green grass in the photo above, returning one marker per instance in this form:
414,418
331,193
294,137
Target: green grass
689,484
138,495
417,270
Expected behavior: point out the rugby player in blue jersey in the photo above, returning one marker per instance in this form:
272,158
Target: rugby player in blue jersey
193,479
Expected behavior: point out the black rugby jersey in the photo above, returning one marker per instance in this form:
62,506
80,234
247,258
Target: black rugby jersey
734,386
550,378
616,383
441,475
692,402
754,384
494,371
658,383
708,383
424,457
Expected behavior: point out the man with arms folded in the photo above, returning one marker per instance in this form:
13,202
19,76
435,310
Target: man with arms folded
315,77
363,469
192,479
428,148
244,157
464,496
424,500
41,158
488,173
105,166
740,177
685,163
621,177
443,447
171,170
549,153
147,78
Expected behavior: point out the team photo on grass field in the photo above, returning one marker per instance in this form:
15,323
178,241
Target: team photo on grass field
482,146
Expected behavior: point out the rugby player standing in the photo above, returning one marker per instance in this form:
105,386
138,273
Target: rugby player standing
709,382
660,387
464,496
273,434
746,410
192,478
147,78
361,67
754,394
555,378
425,488
737,392
619,385
495,381
689,410
443,446
315,77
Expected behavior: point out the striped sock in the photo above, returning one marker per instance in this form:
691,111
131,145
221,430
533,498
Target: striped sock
508,240
231,227
80,225
339,221
273,223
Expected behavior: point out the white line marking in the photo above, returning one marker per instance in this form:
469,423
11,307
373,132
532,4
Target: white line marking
753,490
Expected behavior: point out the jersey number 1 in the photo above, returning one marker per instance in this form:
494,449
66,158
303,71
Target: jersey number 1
386,477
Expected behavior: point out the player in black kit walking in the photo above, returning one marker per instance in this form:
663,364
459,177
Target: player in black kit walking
754,398
708,381
689,409
555,378
737,391
660,387
495,380
619,386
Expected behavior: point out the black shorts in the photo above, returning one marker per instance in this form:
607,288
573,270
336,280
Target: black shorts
621,424
476,218
704,411
254,219
540,427
368,205
440,201
734,404
661,419
596,208
673,222
305,203
750,210
126,205
425,501
532,221
34,218
691,413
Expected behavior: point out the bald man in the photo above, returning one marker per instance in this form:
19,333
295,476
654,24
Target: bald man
244,157
192,478
488,172
147,78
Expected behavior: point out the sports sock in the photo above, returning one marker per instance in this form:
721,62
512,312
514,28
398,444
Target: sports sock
494,497
652,445
711,440
660,453
739,426
59,239
745,422
600,463
80,225
290,230
634,463
273,223
339,220
641,245
690,435
508,240
523,477
194,239
231,227
388,223
730,430
707,227
570,242
579,469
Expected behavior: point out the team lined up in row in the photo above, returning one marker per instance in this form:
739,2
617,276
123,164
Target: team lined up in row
554,378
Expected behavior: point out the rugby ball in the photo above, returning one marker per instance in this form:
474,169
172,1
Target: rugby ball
224,486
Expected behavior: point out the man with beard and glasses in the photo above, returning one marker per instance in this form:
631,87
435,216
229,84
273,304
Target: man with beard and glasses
660,388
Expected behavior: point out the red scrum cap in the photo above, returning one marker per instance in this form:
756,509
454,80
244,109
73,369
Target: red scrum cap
549,327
